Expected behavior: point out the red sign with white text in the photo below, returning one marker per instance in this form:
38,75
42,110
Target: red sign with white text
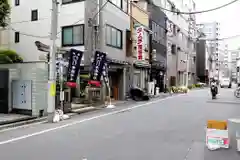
139,42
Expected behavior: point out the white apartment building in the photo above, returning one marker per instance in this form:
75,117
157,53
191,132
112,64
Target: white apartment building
211,32
30,21
234,55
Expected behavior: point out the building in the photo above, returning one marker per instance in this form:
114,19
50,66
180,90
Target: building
201,61
138,44
30,22
234,55
211,32
224,59
158,48
106,31
181,51
109,30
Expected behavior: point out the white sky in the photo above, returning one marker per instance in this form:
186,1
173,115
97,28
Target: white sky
228,17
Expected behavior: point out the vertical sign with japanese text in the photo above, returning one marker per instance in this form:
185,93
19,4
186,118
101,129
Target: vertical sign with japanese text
97,67
140,45
75,58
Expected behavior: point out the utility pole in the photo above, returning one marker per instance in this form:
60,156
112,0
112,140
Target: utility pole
52,62
187,69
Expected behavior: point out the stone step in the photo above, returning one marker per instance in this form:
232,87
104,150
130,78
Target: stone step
76,100
83,110
78,106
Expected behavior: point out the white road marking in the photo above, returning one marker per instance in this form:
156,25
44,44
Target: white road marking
84,120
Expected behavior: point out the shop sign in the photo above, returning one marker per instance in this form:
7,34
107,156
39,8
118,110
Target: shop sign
140,31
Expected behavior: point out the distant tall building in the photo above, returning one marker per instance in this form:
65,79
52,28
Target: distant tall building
211,32
224,60
234,55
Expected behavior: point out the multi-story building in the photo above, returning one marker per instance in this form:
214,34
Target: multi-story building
158,49
138,44
109,29
202,66
80,26
234,55
211,32
224,59
181,51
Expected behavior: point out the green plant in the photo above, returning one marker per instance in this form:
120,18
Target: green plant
190,87
9,56
198,85
4,12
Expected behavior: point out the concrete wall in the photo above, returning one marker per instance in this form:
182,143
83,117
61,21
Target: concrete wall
38,74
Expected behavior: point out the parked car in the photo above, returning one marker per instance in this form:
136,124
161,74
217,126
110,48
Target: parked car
226,82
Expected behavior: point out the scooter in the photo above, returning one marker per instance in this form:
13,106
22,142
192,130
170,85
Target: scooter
214,91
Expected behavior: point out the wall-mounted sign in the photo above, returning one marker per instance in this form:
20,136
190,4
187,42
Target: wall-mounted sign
140,47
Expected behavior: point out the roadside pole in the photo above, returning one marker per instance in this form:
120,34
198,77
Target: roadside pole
187,69
52,62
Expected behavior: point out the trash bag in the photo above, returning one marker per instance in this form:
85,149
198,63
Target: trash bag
138,94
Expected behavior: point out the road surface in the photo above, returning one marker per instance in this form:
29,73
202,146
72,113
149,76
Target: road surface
169,129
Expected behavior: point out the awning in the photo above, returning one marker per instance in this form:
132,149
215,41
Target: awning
141,64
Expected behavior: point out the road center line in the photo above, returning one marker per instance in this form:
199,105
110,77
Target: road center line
85,120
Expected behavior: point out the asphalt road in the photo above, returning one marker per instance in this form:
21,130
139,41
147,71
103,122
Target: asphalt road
170,129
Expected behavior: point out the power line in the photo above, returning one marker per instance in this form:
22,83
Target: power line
217,39
203,11
29,35
221,39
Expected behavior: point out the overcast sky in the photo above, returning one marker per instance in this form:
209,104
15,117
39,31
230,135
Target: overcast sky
228,17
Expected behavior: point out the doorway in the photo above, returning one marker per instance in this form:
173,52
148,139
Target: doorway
114,83
4,74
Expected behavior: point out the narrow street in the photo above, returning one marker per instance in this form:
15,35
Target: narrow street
169,129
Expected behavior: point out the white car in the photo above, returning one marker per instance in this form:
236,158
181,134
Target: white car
226,82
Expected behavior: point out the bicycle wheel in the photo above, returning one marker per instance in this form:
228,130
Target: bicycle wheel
237,93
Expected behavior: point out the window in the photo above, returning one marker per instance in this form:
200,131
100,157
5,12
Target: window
17,2
114,37
16,37
70,1
173,49
73,35
194,59
34,15
174,30
118,3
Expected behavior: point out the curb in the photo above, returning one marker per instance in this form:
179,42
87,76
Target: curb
24,123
